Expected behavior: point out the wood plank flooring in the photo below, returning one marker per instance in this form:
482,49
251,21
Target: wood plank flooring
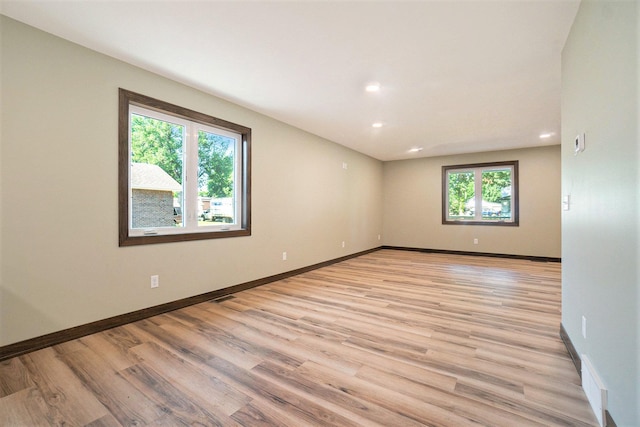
391,338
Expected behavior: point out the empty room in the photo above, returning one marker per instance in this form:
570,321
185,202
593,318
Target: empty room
305,213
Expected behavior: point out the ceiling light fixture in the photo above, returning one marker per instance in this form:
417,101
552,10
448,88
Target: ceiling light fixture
377,125
546,135
416,149
372,87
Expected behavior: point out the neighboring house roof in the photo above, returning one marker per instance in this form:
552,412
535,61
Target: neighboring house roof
151,177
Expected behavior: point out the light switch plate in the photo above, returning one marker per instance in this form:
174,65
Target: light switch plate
579,143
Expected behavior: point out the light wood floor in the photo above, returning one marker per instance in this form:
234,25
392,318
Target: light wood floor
392,338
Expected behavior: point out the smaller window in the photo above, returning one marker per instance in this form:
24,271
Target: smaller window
480,194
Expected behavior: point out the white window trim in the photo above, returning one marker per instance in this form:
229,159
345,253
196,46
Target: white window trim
190,170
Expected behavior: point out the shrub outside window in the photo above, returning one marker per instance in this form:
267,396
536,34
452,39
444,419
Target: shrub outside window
480,194
183,175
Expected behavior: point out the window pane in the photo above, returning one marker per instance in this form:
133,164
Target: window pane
496,194
461,195
216,172
156,173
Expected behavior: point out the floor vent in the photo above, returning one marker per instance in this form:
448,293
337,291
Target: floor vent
225,298
594,389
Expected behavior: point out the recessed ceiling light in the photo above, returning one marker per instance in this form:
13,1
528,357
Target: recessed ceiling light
416,149
546,135
372,87
377,125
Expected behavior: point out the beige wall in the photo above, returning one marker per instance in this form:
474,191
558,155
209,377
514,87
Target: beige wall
413,215
600,233
61,264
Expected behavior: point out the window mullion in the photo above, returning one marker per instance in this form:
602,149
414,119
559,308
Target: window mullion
478,194
191,177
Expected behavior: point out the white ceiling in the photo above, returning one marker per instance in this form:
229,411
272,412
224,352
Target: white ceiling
455,76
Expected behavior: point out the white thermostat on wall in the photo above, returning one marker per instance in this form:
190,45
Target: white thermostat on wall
579,143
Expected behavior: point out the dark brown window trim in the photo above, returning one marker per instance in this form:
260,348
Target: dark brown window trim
515,208
127,98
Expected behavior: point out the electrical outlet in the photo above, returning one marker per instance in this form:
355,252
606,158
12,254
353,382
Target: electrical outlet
475,241
584,327
378,237
284,256
155,281
343,244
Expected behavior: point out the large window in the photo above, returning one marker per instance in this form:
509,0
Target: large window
482,194
183,175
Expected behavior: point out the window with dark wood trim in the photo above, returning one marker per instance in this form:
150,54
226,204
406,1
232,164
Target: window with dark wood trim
480,194
183,175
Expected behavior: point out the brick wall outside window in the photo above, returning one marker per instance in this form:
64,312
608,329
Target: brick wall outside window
152,208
